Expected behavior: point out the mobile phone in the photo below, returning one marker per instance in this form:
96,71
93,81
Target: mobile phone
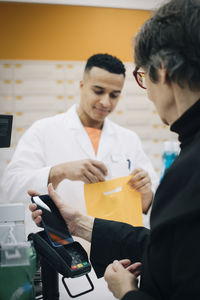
52,221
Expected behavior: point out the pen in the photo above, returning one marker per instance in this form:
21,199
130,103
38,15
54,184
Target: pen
129,164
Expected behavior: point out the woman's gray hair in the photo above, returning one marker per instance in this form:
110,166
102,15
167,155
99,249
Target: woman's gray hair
171,39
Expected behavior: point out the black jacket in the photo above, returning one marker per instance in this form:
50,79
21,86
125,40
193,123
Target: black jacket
170,251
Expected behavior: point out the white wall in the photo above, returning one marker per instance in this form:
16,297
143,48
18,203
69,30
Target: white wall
130,4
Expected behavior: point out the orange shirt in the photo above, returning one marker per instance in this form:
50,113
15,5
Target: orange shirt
94,135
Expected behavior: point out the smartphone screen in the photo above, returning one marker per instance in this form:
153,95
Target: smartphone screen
52,221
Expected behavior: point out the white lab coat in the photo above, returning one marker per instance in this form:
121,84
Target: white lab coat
62,138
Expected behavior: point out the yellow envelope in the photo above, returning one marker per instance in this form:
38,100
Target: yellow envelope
114,200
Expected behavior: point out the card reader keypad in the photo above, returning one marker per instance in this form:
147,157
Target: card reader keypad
77,262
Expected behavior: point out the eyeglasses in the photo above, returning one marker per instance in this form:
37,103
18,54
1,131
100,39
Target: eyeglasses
139,77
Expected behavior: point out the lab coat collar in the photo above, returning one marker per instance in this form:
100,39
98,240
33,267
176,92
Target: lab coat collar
82,138
74,122
72,118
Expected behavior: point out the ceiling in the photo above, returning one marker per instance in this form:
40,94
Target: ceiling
128,4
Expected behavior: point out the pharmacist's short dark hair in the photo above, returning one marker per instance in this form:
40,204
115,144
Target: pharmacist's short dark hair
171,38
107,62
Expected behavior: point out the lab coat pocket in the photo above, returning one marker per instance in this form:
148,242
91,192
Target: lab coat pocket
114,200
118,165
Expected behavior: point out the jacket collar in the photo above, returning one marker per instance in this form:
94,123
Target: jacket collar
188,124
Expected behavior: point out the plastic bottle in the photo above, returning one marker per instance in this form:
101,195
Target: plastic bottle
170,152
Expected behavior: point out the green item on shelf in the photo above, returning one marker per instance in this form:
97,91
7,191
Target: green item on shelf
17,278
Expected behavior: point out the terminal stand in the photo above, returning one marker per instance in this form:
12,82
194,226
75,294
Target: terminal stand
55,260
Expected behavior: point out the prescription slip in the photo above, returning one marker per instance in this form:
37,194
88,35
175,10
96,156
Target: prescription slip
114,200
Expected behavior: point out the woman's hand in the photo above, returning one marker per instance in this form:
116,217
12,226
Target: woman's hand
78,224
121,277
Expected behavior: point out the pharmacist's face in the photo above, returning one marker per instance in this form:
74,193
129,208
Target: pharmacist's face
100,93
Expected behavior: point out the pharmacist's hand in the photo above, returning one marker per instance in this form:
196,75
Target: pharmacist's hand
121,277
78,224
141,182
87,170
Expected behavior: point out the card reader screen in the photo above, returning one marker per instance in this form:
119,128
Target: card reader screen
52,221
5,130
